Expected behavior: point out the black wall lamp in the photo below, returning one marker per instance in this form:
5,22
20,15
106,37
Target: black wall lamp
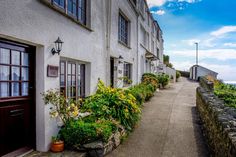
58,46
120,59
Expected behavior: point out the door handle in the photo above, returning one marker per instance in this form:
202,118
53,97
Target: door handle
17,112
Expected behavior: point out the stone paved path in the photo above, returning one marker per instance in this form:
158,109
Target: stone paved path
169,126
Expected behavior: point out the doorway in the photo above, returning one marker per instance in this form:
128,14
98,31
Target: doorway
17,96
112,72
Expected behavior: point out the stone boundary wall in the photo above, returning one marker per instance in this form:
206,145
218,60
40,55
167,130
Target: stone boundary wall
219,121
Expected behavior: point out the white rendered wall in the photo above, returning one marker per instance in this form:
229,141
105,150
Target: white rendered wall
31,22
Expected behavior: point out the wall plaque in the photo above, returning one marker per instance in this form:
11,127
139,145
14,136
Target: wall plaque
52,71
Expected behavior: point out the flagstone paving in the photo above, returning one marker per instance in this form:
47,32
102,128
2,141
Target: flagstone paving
169,126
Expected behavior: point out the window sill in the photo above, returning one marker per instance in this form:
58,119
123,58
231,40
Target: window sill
120,42
62,11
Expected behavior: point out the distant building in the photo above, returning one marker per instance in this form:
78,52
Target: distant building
197,71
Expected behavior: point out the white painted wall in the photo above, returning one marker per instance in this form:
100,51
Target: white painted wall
34,23
31,22
116,49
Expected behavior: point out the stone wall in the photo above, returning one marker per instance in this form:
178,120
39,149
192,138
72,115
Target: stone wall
219,121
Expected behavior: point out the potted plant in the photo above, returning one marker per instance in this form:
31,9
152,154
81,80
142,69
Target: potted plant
63,110
57,145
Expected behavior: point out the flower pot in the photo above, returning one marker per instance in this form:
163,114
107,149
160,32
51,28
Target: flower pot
57,146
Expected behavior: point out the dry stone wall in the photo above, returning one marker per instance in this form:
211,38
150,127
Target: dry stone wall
219,121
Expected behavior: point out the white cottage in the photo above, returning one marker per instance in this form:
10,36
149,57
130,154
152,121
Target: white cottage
101,39
197,71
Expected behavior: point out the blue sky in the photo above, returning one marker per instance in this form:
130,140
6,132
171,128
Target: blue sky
212,23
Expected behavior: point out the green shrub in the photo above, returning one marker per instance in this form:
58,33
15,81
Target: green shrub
227,93
149,78
142,92
113,103
178,75
163,79
78,132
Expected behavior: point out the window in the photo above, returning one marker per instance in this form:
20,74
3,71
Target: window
142,7
75,8
158,34
143,35
158,53
71,7
82,11
127,73
60,3
14,73
153,45
72,79
123,31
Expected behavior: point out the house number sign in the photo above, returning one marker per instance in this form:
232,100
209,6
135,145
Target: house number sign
52,71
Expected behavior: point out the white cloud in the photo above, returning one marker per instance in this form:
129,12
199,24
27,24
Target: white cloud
191,42
158,12
224,30
219,54
152,3
230,44
182,65
189,1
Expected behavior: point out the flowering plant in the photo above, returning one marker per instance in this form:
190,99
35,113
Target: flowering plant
65,109
113,103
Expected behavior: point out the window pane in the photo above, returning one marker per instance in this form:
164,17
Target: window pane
73,69
25,59
69,80
73,91
78,70
62,68
79,86
73,81
62,90
25,74
15,89
69,69
4,72
15,73
4,89
15,57
60,3
25,89
62,80
123,29
4,56
82,11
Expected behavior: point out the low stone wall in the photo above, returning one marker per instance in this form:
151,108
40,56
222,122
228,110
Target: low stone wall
100,149
219,121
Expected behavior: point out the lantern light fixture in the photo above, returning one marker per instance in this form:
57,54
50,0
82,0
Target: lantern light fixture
58,46
120,59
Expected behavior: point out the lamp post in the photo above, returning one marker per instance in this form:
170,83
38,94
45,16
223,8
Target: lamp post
196,53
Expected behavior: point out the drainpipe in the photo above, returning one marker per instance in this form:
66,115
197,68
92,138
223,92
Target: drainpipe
108,34
138,49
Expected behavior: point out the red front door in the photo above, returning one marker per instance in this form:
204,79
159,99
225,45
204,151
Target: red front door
17,106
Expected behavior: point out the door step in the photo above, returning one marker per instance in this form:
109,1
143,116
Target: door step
19,152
